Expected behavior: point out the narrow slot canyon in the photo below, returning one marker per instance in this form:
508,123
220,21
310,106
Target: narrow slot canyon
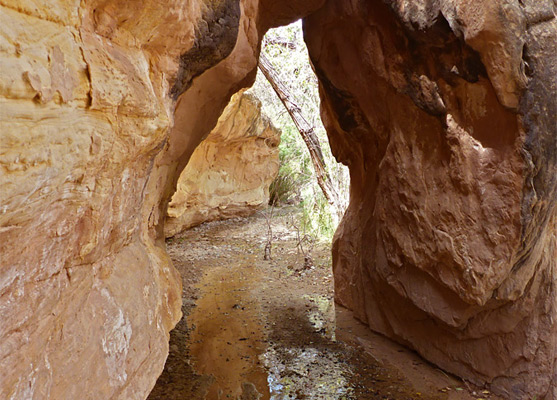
139,255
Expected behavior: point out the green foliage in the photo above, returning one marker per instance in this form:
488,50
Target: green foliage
283,188
317,218
296,182
294,172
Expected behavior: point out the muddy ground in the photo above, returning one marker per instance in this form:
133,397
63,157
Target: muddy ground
269,329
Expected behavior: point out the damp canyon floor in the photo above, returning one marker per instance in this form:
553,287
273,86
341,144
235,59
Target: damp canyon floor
269,329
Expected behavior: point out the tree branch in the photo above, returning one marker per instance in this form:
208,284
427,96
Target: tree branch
306,131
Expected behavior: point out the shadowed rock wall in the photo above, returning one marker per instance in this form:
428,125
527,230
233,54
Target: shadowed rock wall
445,113
229,173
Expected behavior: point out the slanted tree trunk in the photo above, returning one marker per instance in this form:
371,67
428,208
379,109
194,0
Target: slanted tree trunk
307,132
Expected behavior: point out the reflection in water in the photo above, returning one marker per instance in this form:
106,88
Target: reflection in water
315,371
322,317
229,344
262,330
306,373
228,336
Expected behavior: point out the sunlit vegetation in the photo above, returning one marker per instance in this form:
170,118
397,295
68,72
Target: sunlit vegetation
296,182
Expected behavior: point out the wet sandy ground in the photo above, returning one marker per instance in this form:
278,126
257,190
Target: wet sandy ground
257,329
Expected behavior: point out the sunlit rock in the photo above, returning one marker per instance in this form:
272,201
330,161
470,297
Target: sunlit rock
229,174
101,106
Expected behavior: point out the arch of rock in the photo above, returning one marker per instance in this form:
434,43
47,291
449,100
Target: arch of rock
443,110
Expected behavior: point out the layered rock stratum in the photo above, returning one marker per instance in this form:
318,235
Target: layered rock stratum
444,111
229,173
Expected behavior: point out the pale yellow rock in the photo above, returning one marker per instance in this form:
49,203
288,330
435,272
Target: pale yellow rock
86,301
229,174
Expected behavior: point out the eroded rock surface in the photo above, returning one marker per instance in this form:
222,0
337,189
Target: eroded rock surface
445,113
229,173
90,151
86,298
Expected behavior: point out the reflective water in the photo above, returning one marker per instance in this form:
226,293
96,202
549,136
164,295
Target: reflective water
256,329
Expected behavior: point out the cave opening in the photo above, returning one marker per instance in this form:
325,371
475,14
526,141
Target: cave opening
249,228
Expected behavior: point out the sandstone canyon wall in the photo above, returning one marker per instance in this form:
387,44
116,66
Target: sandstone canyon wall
445,112
101,104
229,173
86,300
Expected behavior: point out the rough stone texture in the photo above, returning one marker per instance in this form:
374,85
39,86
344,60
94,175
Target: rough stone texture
86,299
197,109
445,112
87,165
229,173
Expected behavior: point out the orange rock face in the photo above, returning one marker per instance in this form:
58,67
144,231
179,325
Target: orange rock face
442,113
229,173
86,299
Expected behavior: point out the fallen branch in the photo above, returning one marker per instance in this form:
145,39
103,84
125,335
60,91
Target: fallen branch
307,132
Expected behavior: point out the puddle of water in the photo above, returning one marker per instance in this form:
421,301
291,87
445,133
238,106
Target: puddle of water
310,371
228,343
306,373
228,337
322,315
255,332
